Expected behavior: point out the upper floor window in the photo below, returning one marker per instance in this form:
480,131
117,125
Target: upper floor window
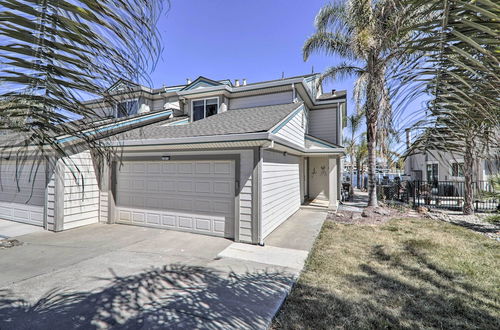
127,108
205,108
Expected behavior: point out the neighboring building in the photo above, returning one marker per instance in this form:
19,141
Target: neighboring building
210,157
445,166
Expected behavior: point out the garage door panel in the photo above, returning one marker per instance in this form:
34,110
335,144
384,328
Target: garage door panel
203,168
185,168
202,206
168,220
152,218
185,186
138,217
203,224
124,215
196,196
186,222
169,168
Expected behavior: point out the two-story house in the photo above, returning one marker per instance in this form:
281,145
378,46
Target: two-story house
446,166
212,157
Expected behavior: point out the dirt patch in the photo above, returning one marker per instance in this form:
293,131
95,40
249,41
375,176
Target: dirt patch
369,216
373,215
8,243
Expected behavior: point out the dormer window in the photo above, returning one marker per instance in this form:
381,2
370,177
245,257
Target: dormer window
205,108
127,108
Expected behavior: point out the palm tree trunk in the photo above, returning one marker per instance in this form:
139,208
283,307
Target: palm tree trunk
357,174
372,161
468,176
351,189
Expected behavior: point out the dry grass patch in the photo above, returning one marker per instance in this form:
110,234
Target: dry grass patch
407,273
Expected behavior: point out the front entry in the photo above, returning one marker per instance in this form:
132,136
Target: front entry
318,178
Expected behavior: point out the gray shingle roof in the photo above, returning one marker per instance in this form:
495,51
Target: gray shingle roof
238,121
330,96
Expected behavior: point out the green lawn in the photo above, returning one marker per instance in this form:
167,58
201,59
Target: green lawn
407,273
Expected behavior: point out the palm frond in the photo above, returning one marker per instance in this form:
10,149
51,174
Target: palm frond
328,43
57,53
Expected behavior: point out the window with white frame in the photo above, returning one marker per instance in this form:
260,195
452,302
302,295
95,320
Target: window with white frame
205,108
127,108
432,172
457,169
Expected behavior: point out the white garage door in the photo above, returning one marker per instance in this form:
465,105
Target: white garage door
22,192
195,196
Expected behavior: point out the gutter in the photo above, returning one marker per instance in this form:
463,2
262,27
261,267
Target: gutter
265,136
116,125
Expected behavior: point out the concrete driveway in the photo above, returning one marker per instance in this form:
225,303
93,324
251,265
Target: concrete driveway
117,276
10,229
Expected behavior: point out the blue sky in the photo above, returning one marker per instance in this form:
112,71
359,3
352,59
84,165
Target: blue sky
235,39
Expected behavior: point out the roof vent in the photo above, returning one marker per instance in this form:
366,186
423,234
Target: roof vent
244,82
236,82
333,91
188,81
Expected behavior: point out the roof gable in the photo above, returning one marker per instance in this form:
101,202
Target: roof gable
201,82
123,85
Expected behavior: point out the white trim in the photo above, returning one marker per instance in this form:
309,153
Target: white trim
204,106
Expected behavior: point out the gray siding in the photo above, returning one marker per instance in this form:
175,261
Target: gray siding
246,182
294,129
280,189
51,202
103,207
323,124
260,100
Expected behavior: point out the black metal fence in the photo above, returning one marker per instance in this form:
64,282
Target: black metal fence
438,194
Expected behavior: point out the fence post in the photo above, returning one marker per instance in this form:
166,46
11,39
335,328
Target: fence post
414,193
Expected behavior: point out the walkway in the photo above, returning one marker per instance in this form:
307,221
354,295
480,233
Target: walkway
359,201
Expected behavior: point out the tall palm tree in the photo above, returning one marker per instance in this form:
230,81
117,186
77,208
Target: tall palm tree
368,35
56,53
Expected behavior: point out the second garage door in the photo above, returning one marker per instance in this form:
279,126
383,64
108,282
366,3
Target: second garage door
22,192
195,196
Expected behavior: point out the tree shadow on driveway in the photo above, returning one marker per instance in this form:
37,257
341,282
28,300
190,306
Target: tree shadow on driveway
175,297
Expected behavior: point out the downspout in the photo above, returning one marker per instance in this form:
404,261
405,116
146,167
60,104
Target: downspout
260,238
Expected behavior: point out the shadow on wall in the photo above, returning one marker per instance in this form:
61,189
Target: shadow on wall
416,294
173,297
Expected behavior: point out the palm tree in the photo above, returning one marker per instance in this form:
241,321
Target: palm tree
461,72
353,123
56,53
368,35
